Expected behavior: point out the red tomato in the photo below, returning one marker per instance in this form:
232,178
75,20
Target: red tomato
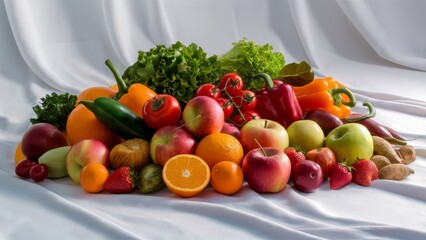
39,172
209,90
239,121
161,110
227,106
232,83
22,169
246,100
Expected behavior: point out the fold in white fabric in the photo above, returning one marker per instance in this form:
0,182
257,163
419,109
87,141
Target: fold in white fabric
375,47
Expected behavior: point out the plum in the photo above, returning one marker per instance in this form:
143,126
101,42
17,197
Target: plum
326,120
40,138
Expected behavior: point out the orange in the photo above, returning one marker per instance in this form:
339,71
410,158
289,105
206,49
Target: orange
186,175
227,177
93,177
82,124
18,153
93,92
217,147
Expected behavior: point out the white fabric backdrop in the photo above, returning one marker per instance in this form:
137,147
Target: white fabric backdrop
376,47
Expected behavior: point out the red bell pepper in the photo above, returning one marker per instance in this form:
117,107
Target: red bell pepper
277,102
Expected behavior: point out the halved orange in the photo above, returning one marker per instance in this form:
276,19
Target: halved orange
186,175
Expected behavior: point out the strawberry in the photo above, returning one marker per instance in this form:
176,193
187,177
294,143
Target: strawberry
340,175
365,171
120,181
294,155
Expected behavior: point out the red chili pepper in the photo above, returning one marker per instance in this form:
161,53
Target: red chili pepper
277,102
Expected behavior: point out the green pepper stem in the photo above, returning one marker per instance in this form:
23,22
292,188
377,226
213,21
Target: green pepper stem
335,92
266,78
371,113
122,87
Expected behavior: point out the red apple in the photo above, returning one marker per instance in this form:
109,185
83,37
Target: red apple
267,170
202,116
40,138
267,132
231,129
324,157
84,152
169,141
307,176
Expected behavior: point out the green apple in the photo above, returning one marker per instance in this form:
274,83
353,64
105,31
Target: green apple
349,142
305,134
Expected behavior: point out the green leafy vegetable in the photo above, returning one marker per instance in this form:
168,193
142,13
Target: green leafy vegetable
54,109
247,59
177,70
296,74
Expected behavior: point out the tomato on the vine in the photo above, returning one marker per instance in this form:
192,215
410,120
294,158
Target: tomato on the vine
246,100
161,110
240,120
232,83
227,106
209,90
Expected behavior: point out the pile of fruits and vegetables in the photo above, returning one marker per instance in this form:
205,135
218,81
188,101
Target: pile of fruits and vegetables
182,120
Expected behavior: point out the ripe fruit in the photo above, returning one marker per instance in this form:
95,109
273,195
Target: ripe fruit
120,181
40,138
150,178
365,171
92,93
324,157
340,176
22,169
219,147
294,156
186,175
267,170
93,177
18,153
133,153
55,160
307,176
38,172
305,134
226,177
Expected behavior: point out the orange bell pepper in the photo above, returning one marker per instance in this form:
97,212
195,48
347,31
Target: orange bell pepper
327,94
134,96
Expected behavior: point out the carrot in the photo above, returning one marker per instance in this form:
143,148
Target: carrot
384,148
397,171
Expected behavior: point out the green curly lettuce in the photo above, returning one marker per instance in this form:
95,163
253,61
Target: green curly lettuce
177,70
54,109
248,58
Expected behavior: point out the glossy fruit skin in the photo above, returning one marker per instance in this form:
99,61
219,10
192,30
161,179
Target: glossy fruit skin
232,83
364,172
307,176
227,106
324,157
246,100
39,172
22,169
209,90
226,177
120,181
40,138
239,120
340,176
294,156
326,120
266,174
161,110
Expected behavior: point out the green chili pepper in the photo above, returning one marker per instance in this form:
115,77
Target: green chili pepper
118,118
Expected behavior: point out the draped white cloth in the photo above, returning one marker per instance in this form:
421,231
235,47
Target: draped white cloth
376,47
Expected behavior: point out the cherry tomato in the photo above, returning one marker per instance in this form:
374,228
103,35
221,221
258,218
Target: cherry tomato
209,90
246,100
22,169
39,172
227,106
161,110
232,83
239,121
